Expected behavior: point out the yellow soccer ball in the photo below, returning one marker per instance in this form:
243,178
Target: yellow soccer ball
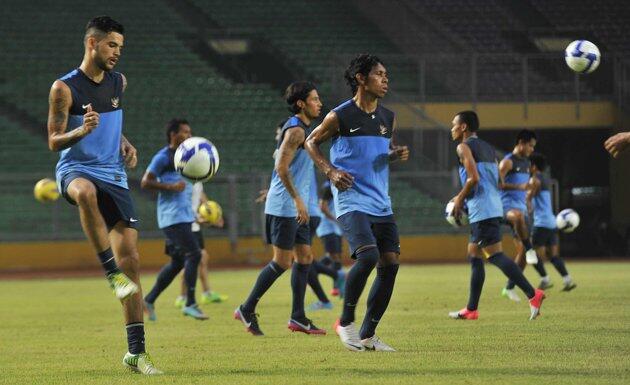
211,211
46,190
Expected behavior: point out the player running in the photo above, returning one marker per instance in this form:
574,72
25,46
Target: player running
362,147
85,125
287,213
545,233
198,198
330,234
175,218
479,175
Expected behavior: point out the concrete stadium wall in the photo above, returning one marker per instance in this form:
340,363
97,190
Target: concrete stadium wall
70,255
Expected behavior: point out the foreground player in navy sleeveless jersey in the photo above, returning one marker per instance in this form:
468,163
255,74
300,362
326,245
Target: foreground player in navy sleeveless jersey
287,213
175,218
545,233
514,177
479,175
362,147
85,125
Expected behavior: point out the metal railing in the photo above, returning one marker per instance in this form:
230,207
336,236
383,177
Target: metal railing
417,197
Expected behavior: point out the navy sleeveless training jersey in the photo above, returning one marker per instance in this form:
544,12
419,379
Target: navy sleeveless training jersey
519,174
543,210
361,148
484,201
279,201
97,154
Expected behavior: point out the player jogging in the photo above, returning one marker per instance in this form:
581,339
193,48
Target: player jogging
362,147
85,125
287,218
198,198
545,233
329,232
479,175
175,218
514,178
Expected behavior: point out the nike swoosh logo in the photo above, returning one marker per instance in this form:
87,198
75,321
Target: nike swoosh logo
306,327
85,106
133,220
355,129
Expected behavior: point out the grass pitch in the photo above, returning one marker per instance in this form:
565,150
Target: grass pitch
69,331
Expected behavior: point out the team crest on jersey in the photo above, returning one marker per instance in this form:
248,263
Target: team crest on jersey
115,102
383,129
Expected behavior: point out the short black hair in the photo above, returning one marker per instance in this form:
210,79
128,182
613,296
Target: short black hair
471,119
362,64
538,160
102,25
297,91
525,135
173,126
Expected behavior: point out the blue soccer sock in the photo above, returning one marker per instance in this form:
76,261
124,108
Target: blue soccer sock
266,278
313,282
190,276
322,268
558,263
165,277
540,267
477,278
299,277
511,270
135,337
355,282
108,262
378,299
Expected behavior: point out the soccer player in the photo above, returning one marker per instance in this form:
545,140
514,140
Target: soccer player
329,232
479,175
362,147
199,197
286,212
617,143
545,234
514,178
175,218
85,125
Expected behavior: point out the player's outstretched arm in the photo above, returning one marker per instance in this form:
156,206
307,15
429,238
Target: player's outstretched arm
396,152
325,209
59,102
617,143
532,190
472,177
326,130
293,139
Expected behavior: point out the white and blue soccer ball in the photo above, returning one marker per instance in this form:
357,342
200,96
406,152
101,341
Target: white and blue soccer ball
582,56
196,159
567,220
450,218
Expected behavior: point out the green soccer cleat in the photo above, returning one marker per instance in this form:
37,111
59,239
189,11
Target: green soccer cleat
122,286
141,363
213,297
180,302
194,312
510,294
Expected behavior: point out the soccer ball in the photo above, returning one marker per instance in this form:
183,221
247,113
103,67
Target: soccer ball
567,220
211,211
197,159
46,190
582,56
450,218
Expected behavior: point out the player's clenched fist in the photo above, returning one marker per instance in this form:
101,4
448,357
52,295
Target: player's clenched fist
90,120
